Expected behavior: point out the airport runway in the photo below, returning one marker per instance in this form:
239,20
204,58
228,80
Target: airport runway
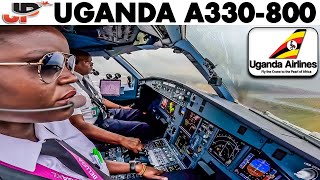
276,98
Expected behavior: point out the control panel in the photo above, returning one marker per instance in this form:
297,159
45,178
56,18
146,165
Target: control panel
224,138
157,153
201,139
177,93
162,157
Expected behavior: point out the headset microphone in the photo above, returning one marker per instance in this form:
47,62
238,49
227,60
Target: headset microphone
30,115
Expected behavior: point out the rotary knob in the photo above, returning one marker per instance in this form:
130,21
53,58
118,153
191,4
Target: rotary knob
181,98
307,174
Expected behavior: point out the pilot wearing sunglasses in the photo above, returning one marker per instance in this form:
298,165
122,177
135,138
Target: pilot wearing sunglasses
36,70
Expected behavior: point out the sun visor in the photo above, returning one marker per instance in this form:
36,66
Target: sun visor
77,41
118,39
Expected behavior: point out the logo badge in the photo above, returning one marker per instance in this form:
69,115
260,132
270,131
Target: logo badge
290,48
22,11
296,55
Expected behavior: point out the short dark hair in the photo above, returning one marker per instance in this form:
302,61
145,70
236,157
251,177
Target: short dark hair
80,54
7,31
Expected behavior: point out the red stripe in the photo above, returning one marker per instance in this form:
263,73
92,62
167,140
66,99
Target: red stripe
291,57
284,45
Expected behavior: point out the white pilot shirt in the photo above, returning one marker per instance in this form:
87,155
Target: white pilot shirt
25,154
89,111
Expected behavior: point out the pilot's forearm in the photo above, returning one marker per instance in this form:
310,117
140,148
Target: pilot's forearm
111,105
100,134
115,167
118,167
95,132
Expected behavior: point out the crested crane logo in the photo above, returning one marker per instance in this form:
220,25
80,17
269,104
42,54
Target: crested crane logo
297,55
290,48
22,11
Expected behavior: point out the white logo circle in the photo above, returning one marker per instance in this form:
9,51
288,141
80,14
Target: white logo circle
292,45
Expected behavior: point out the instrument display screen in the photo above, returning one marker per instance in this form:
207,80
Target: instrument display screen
258,166
168,105
225,147
182,142
191,122
110,87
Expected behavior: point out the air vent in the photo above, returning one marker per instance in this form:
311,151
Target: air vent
191,104
242,130
279,154
201,109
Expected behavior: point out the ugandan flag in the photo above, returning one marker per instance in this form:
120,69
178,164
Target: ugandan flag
290,48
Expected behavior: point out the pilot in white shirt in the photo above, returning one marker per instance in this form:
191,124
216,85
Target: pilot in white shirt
35,96
62,130
89,111
122,120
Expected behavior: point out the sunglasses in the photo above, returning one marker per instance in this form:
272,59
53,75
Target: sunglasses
50,66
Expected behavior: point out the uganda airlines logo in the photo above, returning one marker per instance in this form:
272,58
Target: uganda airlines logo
22,11
290,58
290,48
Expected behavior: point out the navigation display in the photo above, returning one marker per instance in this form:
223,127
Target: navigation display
257,166
168,105
225,147
191,122
182,142
110,87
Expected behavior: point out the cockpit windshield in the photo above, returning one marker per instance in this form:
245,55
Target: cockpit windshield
165,63
294,100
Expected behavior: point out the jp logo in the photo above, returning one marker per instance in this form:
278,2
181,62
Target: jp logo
23,10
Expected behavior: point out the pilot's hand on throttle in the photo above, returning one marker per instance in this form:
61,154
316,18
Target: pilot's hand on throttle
151,173
133,144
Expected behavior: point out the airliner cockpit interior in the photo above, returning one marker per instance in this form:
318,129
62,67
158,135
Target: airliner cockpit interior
205,128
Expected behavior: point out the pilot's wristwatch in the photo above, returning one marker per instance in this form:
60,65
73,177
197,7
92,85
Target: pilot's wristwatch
133,166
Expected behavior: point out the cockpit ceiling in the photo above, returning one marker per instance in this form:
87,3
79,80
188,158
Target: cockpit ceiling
110,36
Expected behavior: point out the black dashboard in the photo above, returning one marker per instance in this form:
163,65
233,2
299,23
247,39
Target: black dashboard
226,138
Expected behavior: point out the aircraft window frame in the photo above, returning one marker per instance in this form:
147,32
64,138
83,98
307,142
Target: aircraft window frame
198,81
104,65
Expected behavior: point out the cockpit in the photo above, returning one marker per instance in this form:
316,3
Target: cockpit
203,125
205,128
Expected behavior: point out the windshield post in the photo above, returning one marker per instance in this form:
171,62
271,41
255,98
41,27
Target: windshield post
199,63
